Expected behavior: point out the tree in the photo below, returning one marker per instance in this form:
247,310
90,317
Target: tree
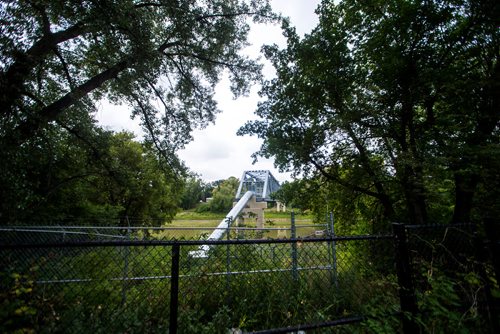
59,57
393,101
138,185
297,194
66,181
194,192
44,179
223,195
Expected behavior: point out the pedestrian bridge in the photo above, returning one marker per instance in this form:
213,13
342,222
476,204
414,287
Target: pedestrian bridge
254,191
260,182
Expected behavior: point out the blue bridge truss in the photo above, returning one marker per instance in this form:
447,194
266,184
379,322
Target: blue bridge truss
261,182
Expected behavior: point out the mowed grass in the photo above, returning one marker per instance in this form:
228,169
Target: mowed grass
269,214
194,225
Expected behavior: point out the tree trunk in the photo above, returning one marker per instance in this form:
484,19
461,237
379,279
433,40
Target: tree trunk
465,186
466,181
414,192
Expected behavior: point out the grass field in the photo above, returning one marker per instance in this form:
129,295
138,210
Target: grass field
203,224
269,214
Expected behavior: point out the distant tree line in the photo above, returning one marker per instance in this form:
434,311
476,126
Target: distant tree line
217,196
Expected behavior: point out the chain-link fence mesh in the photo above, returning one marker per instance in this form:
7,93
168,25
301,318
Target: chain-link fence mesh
93,282
260,286
61,233
86,279
86,289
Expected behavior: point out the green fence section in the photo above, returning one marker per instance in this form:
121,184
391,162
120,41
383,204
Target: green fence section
101,284
117,280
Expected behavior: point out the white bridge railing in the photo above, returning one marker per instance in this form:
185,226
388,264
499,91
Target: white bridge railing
223,226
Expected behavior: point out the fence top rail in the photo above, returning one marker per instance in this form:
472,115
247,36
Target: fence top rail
70,229
114,243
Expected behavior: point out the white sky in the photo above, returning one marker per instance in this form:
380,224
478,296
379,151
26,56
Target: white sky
216,152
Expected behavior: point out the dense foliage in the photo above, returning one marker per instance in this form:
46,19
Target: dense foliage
195,191
59,58
66,180
391,106
223,192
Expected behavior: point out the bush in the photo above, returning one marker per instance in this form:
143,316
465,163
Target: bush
203,207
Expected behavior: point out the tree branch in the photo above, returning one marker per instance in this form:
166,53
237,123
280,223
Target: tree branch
33,97
45,18
53,110
167,45
202,17
98,155
365,161
158,94
65,67
12,80
200,57
185,76
156,142
342,182
148,4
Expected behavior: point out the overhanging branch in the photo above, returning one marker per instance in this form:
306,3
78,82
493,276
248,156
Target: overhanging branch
343,183
12,80
53,110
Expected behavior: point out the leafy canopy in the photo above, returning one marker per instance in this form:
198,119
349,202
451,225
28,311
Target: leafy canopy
396,101
162,58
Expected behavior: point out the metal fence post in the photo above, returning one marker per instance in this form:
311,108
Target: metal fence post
295,273
333,250
407,297
228,264
126,253
174,289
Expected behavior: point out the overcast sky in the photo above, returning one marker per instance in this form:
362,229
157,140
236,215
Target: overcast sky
216,152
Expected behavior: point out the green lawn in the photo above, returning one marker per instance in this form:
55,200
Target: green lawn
205,222
269,214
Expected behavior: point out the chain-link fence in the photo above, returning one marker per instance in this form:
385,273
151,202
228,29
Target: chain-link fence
65,233
135,280
89,279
